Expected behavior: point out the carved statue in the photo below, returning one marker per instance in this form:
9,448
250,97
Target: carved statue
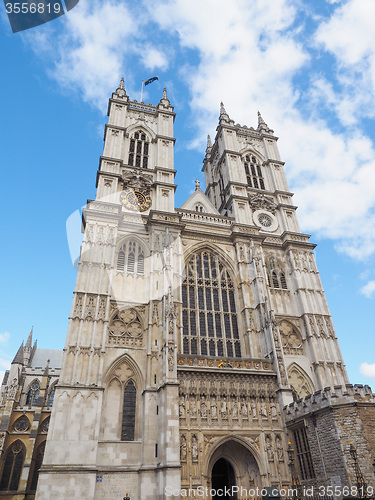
182,408
183,452
279,448
213,408
193,408
203,408
244,409
269,449
194,448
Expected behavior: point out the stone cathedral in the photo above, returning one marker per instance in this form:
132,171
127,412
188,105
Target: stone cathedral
200,340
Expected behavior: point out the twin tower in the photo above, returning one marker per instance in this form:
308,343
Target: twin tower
191,328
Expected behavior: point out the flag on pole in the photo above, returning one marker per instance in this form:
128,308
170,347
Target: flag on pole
150,80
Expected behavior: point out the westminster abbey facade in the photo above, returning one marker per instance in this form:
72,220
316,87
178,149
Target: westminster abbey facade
200,341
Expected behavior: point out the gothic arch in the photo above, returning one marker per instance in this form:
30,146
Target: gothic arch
14,459
210,311
291,338
200,246
252,151
299,381
32,393
143,128
238,439
125,359
120,405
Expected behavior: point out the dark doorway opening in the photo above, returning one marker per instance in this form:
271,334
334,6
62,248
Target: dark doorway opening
223,479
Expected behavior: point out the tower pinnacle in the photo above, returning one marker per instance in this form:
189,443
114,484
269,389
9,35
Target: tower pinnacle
120,91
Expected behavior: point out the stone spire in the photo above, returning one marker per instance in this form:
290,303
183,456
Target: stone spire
209,143
224,117
120,91
18,358
164,101
27,348
262,125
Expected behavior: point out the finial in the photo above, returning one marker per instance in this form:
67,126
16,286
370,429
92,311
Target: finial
197,184
29,339
222,109
262,125
260,119
164,98
46,370
120,91
18,358
209,143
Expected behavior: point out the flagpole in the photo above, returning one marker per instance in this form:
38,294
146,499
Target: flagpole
142,91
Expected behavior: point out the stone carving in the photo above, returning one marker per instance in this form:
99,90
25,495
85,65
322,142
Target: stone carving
183,449
203,407
171,358
234,410
244,411
193,408
78,306
182,408
262,202
291,338
269,448
136,180
213,408
263,410
279,448
194,448
90,308
13,389
125,329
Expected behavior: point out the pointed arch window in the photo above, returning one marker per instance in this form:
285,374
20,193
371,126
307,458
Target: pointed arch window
33,395
139,150
276,277
51,396
132,258
37,465
209,310
13,467
128,412
253,171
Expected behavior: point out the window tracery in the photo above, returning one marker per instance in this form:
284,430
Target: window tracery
13,467
132,258
275,276
209,310
37,465
22,424
33,394
139,150
253,171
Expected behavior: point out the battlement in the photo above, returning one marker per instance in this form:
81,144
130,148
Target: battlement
330,396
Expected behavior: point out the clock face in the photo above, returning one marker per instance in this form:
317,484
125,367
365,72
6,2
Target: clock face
265,220
136,199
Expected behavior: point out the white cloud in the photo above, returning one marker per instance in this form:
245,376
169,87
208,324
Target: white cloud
367,370
4,337
349,36
252,57
368,290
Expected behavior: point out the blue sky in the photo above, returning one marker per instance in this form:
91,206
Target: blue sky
309,67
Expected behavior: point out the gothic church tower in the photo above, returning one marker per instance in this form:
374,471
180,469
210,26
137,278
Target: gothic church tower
115,425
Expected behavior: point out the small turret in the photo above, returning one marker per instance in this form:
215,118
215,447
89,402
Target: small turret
164,101
120,91
262,125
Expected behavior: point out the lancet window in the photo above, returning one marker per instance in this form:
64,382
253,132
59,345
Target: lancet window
131,258
128,412
275,276
253,171
13,467
37,465
33,394
210,325
139,150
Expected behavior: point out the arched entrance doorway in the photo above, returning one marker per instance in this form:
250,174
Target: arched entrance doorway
231,462
223,479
